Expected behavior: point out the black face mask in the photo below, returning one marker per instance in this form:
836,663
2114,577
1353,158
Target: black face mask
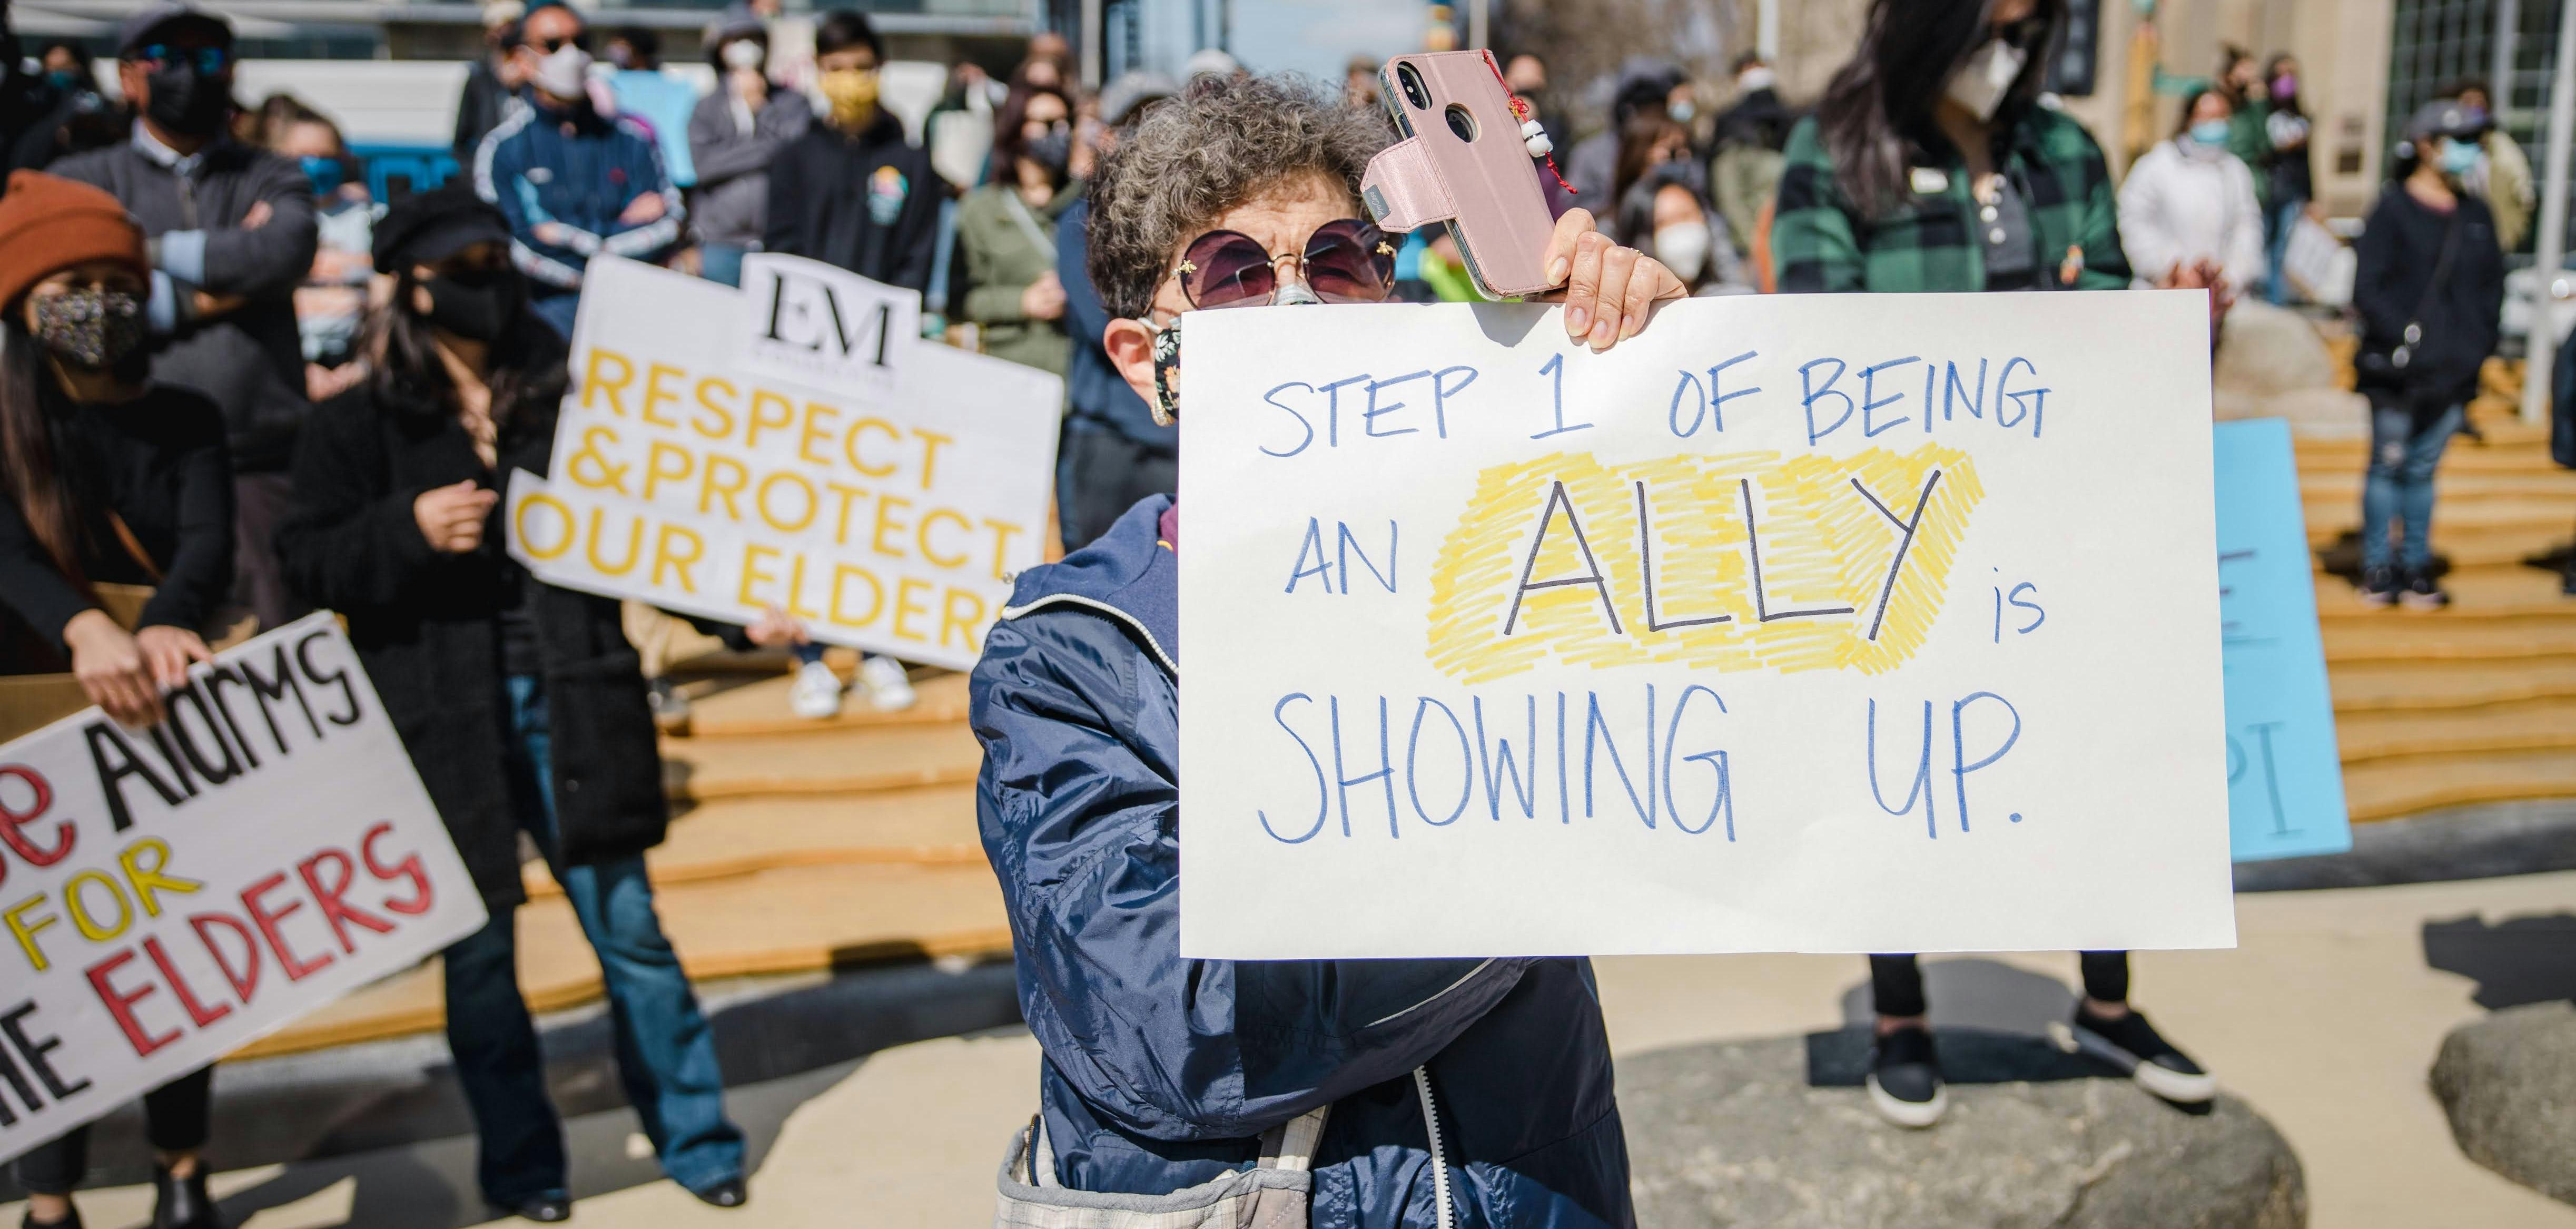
187,102
478,304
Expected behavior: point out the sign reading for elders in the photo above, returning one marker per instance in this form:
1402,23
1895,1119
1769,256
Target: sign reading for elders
2284,778
793,444
1848,623
169,895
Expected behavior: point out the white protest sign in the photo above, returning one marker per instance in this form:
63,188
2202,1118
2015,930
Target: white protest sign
172,894
792,444
1832,623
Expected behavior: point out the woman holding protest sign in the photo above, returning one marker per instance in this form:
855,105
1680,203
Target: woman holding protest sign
522,704
114,484
1931,166
1423,1092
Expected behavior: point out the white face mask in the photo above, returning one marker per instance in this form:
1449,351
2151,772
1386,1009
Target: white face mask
1756,78
564,72
742,55
1684,248
1988,75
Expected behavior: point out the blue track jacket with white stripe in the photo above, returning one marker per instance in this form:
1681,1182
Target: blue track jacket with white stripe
579,170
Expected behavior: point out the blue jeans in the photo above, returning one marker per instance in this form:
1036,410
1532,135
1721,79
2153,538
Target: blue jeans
2399,484
722,262
2276,236
666,1055
556,307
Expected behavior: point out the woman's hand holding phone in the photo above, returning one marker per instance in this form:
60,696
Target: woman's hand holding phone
1608,290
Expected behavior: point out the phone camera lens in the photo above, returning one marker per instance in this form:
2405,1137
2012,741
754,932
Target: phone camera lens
1414,91
1461,123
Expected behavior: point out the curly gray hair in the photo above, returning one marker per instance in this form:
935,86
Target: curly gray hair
1224,141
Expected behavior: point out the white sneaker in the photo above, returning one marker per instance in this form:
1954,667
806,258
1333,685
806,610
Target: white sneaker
889,691
816,693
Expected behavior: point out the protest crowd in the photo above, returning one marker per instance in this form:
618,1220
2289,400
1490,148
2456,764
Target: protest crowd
236,389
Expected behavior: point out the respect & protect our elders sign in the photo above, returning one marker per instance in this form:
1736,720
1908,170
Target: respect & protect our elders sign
171,894
1849,623
796,444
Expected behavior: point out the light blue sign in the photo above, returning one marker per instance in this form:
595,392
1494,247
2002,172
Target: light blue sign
2284,778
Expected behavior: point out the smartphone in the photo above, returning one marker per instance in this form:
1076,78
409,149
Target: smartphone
1462,160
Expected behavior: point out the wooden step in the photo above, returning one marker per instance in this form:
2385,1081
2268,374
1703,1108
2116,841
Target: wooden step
732,837
2336,457
2417,686
2509,546
791,920
2531,725
2326,522
2393,788
761,708
852,761
2342,486
2432,636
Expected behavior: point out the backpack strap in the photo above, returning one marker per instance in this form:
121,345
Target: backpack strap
1041,1155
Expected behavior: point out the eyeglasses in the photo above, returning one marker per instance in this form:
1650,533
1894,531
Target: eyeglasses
553,45
1345,261
206,60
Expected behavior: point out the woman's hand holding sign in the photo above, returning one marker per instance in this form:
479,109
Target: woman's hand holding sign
1609,290
451,517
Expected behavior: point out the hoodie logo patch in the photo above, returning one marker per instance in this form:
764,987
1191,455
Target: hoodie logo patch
886,191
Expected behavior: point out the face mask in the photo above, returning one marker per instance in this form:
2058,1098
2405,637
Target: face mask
2459,158
852,93
2210,134
1684,248
563,72
477,305
2285,87
64,79
1981,83
1052,151
92,328
1682,112
1167,364
1752,79
185,102
743,55
324,172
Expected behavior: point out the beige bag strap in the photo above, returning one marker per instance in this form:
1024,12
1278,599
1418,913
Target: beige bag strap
133,546
1291,1145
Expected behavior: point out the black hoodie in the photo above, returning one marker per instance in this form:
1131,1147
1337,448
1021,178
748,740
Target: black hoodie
867,203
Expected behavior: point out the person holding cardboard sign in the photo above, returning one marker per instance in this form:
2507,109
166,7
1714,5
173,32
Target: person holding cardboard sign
110,479
1415,1092
522,704
1931,166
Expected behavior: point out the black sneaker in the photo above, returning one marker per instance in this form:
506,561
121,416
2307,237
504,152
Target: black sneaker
2421,593
2133,1045
1905,1079
2378,586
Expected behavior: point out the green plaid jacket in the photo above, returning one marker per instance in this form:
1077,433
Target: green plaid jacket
1929,242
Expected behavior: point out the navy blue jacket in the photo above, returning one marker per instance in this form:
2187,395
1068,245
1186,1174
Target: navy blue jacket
1100,396
578,170
1161,1072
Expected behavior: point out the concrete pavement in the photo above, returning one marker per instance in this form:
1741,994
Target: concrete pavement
2326,1019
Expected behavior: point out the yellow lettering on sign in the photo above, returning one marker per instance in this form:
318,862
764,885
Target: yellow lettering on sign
599,531
922,538
1729,562
752,575
595,379
886,506
905,606
964,621
717,422
528,541
842,575
818,429
656,394
930,442
149,880
666,462
850,447
711,487
77,904
25,931
666,553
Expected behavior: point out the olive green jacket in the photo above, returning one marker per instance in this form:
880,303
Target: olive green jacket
999,260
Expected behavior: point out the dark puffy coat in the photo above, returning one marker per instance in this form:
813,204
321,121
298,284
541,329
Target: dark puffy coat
427,626
1161,1072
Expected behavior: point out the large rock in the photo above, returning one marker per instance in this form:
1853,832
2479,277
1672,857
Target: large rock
1778,1133
2509,1084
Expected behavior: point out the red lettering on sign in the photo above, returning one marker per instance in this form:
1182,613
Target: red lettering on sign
198,1012
244,980
120,1004
296,970
422,895
13,822
340,913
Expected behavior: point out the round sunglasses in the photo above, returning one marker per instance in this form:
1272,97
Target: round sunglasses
1345,261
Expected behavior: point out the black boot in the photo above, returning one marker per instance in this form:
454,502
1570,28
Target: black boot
72,1221
182,1203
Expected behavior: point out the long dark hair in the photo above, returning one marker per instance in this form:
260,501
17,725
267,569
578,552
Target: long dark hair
1876,115
2191,103
1637,141
32,475
1013,114
525,367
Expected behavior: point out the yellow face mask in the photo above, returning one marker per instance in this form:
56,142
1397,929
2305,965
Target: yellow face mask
852,93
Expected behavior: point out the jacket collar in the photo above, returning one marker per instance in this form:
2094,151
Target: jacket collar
1128,574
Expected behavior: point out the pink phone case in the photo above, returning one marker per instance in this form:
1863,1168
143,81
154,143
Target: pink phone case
1487,189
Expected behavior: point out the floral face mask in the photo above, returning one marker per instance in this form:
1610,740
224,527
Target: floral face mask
91,328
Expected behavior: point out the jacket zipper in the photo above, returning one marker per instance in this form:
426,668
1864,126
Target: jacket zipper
1439,1162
